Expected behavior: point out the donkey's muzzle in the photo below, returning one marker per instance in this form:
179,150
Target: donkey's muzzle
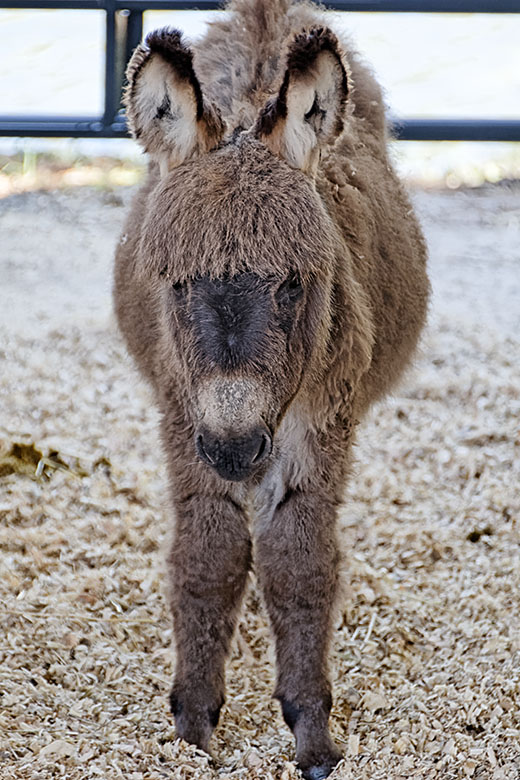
235,457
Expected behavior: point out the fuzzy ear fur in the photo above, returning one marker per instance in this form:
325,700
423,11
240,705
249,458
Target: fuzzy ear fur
166,110
309,110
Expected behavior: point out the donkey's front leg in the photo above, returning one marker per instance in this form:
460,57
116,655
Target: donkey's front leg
298,571
209,561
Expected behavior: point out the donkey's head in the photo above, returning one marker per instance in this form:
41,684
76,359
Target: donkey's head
238,243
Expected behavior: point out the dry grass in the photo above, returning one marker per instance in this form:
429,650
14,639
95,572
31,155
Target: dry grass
426,653
29,171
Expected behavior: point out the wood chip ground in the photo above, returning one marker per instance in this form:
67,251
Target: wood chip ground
426,652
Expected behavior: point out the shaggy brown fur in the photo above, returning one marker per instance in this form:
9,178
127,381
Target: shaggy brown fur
270,284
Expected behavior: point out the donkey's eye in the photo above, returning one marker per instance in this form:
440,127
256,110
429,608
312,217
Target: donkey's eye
291,289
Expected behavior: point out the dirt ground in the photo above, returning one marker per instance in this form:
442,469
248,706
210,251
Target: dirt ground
426,655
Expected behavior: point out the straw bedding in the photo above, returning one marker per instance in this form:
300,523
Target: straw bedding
426,655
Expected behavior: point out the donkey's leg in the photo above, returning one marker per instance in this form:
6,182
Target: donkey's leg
209,561
298,571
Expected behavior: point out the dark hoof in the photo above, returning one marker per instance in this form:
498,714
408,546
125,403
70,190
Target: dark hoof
194,719
318,772
321,769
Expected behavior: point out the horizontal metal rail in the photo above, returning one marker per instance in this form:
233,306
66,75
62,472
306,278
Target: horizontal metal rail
456,129
124,27
409,130
399,6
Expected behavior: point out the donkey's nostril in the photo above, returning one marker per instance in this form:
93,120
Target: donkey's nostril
203,451
263,449
234,457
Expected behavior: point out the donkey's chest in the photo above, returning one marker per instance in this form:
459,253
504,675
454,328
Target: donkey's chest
291,466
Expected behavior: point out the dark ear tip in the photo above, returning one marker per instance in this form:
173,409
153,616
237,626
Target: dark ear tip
307,45
165,39
168,43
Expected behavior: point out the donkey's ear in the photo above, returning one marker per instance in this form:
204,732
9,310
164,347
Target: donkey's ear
166,110
309,110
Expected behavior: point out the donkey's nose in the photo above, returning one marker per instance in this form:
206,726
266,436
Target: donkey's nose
237,457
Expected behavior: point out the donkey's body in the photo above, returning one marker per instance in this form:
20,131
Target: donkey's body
271,285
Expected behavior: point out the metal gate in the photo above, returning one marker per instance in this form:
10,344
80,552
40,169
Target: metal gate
124,26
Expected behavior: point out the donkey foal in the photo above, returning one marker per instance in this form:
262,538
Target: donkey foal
271,285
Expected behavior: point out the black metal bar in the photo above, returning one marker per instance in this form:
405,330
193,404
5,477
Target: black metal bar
60,127
456,129
22,5
428,6
406,130
172,5
394,6
111,100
